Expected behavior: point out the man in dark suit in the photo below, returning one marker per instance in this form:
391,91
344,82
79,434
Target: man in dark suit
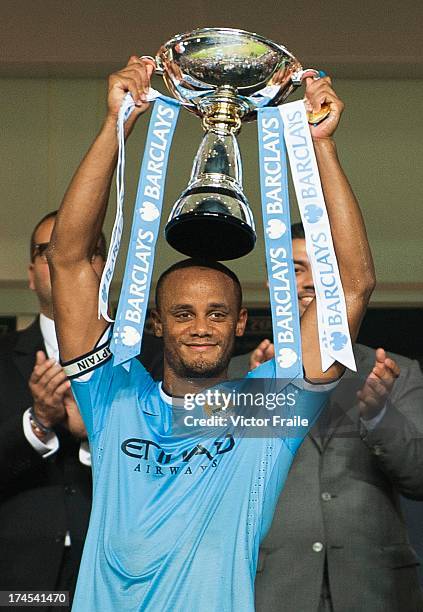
338,540
45,475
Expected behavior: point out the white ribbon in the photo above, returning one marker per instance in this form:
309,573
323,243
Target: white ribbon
125,111
334,336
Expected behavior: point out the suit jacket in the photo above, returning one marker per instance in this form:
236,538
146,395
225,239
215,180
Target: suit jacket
40,499
341,501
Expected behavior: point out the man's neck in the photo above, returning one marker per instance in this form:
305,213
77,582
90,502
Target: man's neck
178,386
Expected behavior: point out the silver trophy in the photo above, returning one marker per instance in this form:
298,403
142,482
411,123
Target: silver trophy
223,75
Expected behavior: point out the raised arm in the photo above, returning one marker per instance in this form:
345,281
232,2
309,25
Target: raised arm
348,232
80,219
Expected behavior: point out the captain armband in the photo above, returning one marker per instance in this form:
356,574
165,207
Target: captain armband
88,362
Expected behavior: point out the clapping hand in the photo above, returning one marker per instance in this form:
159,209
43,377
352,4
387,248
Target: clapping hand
53,402
263,352
378,385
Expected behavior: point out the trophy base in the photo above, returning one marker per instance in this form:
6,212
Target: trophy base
210,235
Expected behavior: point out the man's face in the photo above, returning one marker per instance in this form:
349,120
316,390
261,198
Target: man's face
198,319
38,270
304,278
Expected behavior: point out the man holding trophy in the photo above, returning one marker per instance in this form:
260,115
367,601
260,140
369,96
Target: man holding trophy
179,512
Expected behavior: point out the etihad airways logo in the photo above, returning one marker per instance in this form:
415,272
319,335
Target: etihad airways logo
157,461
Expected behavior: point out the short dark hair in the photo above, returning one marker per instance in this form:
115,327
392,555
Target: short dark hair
297,231
199,263
32,244
101,244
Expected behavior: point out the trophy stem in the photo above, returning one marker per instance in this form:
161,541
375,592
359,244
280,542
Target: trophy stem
223,119
212,218
223,111
218,155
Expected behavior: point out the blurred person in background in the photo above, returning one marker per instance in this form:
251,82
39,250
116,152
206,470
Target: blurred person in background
338,540
45,473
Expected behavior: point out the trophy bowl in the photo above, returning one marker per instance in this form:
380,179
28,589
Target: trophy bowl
204,62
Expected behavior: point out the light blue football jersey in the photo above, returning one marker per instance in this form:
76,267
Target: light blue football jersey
178,513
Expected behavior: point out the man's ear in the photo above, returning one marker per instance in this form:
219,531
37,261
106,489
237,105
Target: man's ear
242,322
31,284
157,323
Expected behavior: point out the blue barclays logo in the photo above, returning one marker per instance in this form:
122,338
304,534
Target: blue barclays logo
313,213
338,341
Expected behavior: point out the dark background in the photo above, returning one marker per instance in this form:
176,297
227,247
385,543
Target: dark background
398,330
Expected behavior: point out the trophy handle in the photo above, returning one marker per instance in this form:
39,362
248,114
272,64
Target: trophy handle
297,79
157,62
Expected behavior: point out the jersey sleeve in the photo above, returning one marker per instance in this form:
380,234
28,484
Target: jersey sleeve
96,382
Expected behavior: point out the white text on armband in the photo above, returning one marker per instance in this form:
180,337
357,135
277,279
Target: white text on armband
88,362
